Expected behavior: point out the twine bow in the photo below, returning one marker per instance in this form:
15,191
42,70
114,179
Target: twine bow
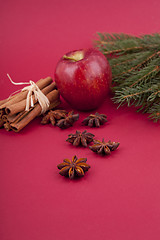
37,93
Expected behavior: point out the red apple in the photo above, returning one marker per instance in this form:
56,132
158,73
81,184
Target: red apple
83,78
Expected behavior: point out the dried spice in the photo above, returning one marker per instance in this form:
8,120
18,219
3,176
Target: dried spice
104,148
74,167
80,138
7,126
68,120
19,110
53,116
112,145
95,120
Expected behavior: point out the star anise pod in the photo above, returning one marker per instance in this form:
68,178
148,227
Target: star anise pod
95,120
74,167
104,148
68,120
52,116
112,145
80,138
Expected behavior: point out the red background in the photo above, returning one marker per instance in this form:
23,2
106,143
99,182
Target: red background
119,196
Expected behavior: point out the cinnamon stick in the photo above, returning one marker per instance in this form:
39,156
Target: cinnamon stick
6,100
20,106
3,101
54,104
12,118
34,112
22,95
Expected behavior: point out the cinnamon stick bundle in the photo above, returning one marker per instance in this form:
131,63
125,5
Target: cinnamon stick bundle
20,106
22,95
13,115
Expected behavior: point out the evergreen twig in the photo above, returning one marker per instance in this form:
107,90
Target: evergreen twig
135,63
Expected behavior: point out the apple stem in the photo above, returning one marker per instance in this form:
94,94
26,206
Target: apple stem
69,58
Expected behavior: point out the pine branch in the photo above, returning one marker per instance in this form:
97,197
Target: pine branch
155,112
135,63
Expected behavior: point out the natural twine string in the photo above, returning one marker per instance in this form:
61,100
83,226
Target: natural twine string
39,96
